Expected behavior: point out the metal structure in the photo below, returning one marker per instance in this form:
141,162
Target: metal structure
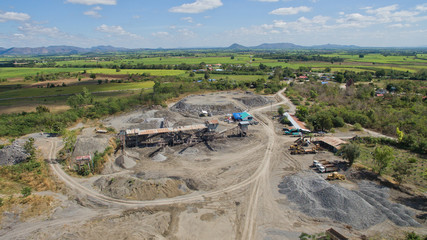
175,136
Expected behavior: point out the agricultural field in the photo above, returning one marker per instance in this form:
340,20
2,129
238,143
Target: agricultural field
25,72
69,90
153,72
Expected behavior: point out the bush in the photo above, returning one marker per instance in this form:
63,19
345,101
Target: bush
338,122
357,127
26,191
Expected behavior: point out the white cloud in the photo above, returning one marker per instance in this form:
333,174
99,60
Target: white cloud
197,7
290,10
160,34
92,13
93,2
31,29
187,33
115,30
422,7
399,25
13,16
187,19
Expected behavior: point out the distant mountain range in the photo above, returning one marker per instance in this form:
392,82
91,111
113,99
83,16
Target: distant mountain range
67,50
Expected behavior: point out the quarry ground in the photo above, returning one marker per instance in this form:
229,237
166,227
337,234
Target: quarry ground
231,188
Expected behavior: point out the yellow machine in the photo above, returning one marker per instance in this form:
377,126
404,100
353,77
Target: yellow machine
335,176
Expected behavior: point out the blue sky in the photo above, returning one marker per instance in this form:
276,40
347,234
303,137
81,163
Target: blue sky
211,23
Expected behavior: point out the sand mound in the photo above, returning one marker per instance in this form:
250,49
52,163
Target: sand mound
360,209
139,189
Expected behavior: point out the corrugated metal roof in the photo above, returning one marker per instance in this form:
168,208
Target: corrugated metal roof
297,124
245,115
165,130
333,141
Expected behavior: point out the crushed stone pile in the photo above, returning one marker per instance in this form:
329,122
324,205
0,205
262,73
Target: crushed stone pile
140,189
159,158
195,109
13,154
361,208
125,162
254,101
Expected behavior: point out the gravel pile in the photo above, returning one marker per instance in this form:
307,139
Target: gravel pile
254,101
12,154
159,158
125,162
360,209
215,109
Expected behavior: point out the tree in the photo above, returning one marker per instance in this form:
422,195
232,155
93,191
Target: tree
93,76
301,113
382,157
207,75
401,169
281,110
81,99
42,109
399,134
192,74
322,121
350,152
30,149
26,191
99,81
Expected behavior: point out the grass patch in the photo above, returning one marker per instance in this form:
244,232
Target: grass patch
28,207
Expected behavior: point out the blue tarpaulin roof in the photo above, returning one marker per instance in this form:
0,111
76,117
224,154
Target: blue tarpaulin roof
237,116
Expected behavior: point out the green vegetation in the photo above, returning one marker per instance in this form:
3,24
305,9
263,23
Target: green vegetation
382,157
26,191
404,108
350,152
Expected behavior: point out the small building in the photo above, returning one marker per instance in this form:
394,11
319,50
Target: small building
331,143
83,160
246,116
297,124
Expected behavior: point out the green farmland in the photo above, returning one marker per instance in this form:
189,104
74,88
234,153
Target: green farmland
15,72
69,90
153,72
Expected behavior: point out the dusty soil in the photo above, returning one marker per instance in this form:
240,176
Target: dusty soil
225,189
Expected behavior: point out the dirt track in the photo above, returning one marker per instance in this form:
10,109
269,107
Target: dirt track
245,204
